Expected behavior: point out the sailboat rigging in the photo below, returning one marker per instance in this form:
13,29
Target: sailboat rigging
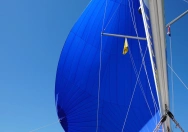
99,88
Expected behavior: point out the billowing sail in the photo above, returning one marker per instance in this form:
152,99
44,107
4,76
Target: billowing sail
97,87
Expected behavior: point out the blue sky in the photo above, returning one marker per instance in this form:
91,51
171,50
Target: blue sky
173,8
32,34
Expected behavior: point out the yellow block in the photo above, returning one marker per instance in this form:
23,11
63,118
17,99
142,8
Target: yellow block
126,47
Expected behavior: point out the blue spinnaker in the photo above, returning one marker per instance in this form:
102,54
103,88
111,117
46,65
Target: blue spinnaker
97,86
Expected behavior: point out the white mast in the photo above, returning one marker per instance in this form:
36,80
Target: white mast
158,30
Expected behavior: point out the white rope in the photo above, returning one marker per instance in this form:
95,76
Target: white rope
178,77
98,105
135,27
45,126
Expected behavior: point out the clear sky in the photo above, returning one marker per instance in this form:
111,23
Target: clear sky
32,33
173,8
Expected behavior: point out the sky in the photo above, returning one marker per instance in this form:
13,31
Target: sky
179,36
32,34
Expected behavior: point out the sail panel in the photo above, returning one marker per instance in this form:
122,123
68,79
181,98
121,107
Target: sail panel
79,69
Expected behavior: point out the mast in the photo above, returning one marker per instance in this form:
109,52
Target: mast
158,31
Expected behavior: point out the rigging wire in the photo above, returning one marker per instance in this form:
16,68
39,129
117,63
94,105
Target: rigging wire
172,81
133,20
135,27
112,15
178,77
133,90
140,84
34,130
100,66
171,73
